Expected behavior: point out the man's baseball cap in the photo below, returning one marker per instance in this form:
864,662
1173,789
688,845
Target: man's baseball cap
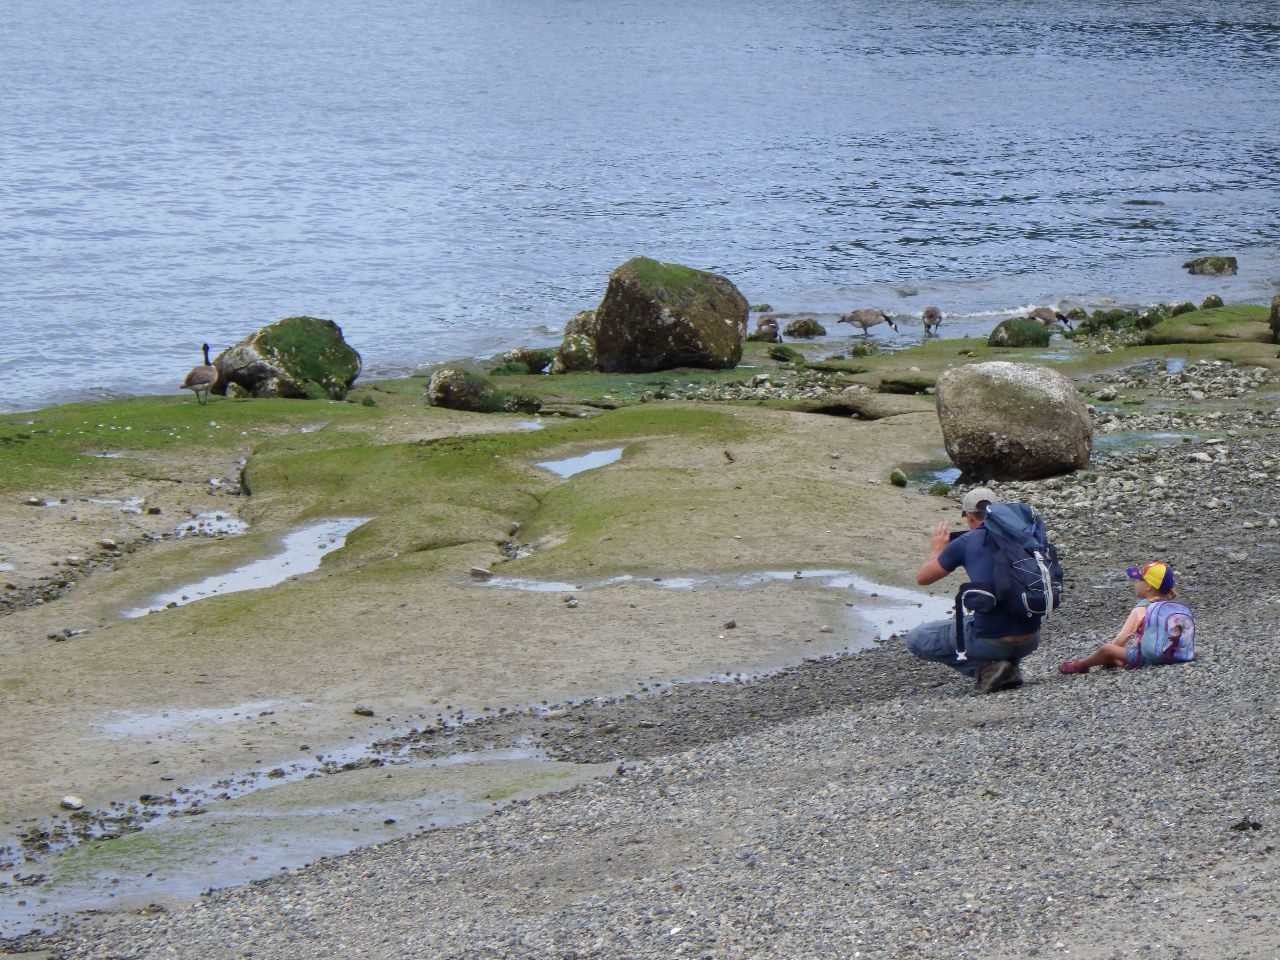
976,496
1158,576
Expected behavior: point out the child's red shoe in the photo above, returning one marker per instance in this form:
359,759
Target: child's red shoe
1072,666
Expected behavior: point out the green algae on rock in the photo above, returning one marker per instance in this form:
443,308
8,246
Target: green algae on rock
461,389
805,328
1019,332
655,316
293,358
1212,266
1239,322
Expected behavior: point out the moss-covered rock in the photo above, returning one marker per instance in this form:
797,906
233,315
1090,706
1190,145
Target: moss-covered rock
898,478
1212,266
1275,318
658,316
805,328
1178,309
297,357
533,360
459,388
785,354
577,351
1233,324
906,383
1211,301
868,348
1019,332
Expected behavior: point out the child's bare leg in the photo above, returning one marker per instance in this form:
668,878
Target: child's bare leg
1107,655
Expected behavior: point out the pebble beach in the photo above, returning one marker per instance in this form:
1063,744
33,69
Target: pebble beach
869,805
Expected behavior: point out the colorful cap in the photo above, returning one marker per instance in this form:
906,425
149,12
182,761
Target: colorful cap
1158,576
977,496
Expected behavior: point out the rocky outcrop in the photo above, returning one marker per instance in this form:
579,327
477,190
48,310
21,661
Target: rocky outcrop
297,357
1212,266
656,316
461,389
1019,332
1012,421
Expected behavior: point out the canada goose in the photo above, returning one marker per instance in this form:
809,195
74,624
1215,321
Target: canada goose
931,318
1048,316
201,378
767,330
866,319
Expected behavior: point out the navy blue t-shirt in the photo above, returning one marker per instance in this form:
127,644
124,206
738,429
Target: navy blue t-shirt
970,550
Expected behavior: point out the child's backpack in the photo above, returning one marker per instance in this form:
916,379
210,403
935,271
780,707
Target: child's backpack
1026,575
1168,633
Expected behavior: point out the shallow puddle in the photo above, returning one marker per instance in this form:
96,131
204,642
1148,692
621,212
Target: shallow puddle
301,553
282,825
1133,438
874,606
949,475
151,723
587,461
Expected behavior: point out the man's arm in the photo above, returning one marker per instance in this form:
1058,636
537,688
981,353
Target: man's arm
931,571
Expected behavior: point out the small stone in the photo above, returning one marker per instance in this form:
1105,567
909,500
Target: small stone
826,628
34,502
480,573
730,624
106,543
70,802
363,711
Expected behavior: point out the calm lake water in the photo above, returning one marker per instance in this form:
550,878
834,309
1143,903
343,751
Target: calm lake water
457,177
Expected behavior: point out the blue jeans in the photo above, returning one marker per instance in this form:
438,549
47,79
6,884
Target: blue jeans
936,641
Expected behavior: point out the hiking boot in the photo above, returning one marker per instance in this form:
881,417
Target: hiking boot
995,676
1016,680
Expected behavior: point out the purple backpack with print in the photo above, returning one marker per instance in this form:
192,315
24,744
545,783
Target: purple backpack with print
1168,633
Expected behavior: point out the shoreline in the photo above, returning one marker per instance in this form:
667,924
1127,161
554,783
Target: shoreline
899,683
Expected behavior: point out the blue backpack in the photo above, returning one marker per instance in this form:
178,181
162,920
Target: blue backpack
1168,633
1026,577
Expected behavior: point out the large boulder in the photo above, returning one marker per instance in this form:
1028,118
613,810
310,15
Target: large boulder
656,316
297,357
1012,421
1274,317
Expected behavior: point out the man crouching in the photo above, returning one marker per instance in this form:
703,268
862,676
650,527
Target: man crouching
993,642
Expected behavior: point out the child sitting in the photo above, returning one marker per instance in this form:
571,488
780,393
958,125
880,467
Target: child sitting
1158,630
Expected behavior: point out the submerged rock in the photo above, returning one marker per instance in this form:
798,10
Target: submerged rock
297,357
1212,266
1012,421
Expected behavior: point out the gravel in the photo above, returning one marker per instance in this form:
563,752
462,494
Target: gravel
870,806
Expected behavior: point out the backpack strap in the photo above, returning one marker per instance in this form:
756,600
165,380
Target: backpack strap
971,597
